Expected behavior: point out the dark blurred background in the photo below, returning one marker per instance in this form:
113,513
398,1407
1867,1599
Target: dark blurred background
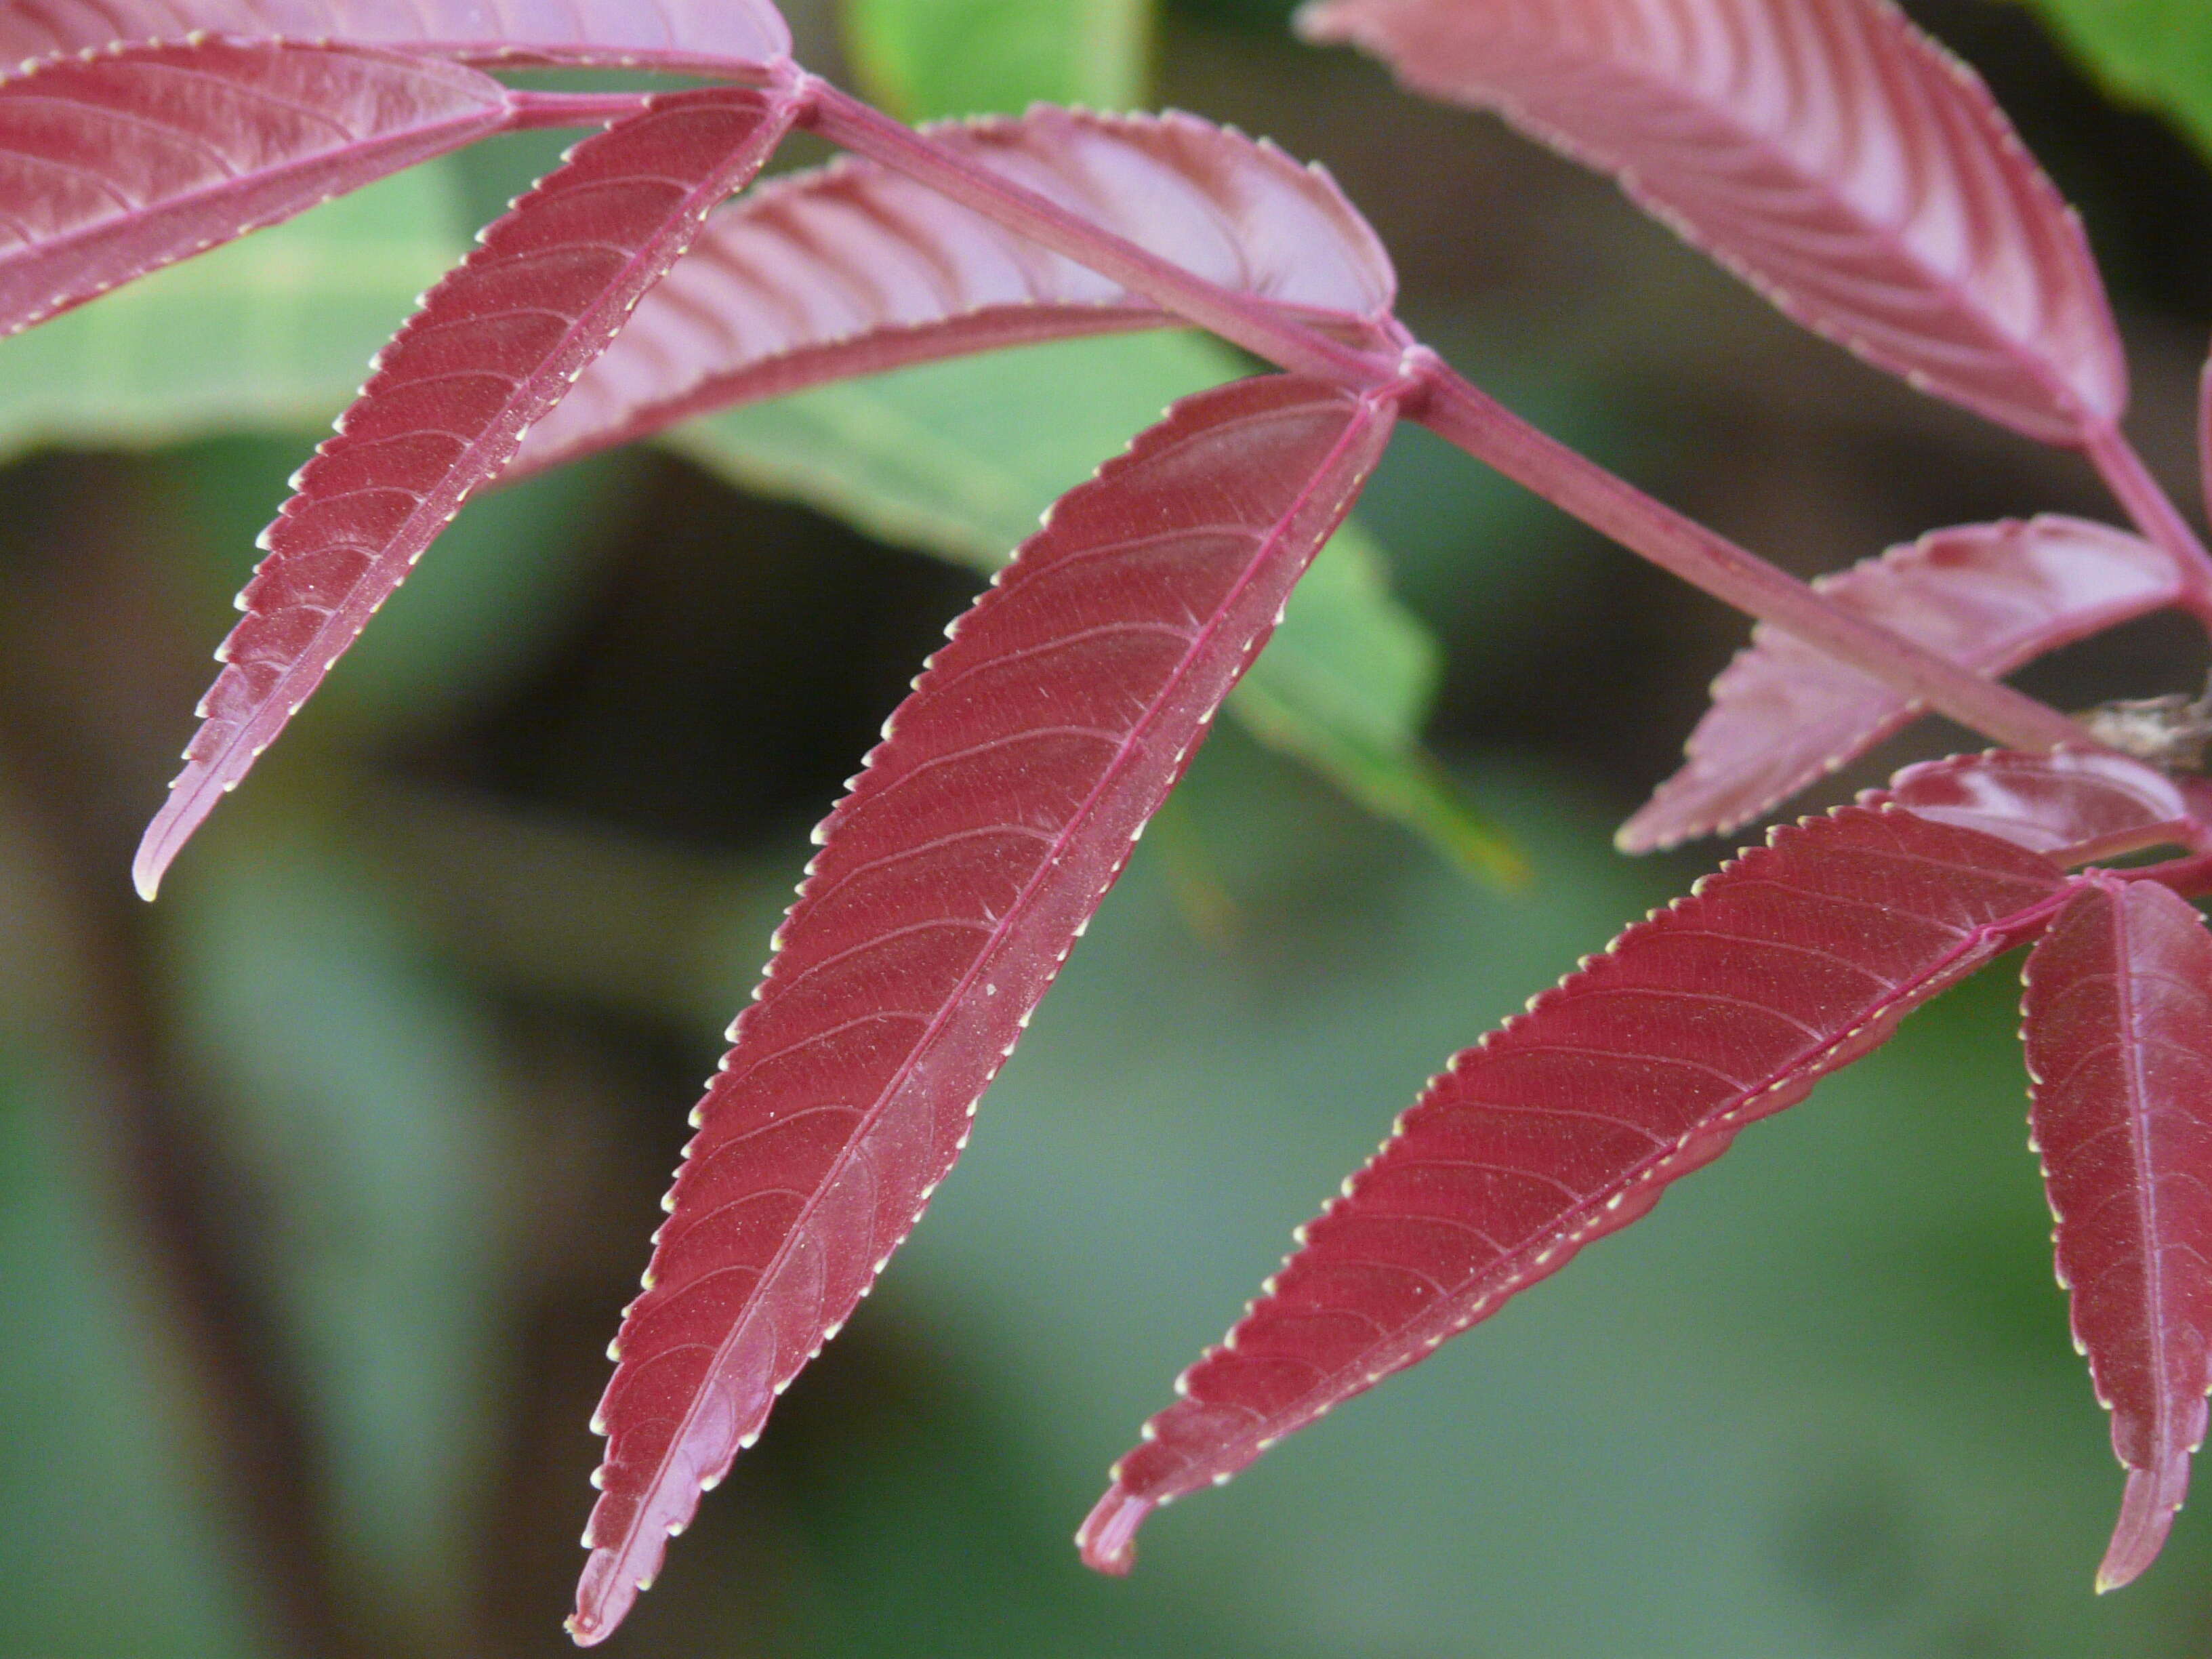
322,1181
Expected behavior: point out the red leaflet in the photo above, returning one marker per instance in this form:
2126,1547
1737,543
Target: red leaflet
1991,597
493,348
1826,151
1568,1122
710,36
2118,1027
855,269
2076,806
116,165
951,882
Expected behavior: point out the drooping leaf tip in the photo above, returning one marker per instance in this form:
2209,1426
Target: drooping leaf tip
2147,1512
1107,1537
603,1598
164,839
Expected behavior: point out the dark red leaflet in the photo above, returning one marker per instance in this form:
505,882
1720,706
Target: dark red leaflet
2118,1027
2074,806
855,269
1568,1123
116,165
493,348
729,37
1826,151
1991,597
951,885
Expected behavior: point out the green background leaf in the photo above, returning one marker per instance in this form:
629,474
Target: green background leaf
924,59
2157,53
270,333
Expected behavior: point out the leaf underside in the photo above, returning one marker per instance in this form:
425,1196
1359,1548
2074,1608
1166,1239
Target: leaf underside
951,885
855,270
1826,151
1989,596
2118,1029
2074,806
1567,1123
493,348
710,36
117,165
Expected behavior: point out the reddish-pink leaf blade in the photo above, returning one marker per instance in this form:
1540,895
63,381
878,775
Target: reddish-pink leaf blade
1826,151
2074,806
493,348
1568,1123
951,885
2118,1028
1991,597
114,165
740,37
856,269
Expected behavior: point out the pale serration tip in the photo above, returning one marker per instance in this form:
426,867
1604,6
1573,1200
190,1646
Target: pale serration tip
2147,1512
1107,1537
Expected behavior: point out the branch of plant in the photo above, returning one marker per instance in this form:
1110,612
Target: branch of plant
2155,513
1484,428
1246,319
1448,406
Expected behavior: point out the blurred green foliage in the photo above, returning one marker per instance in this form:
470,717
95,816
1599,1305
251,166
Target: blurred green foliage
933,58
269,333
2157,53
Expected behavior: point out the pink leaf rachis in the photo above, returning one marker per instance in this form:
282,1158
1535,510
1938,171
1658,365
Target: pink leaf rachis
114,165
1989,596
2074,806
1568,1122
493,347
2118,1029
740,37
855,269
951,884
1826,151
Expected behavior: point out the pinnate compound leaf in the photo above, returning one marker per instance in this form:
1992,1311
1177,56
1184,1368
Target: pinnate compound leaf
854,270
2074,806
1568,1123
707,36
1826,151
493,348
115,165
1989,596
2118,1029
951,885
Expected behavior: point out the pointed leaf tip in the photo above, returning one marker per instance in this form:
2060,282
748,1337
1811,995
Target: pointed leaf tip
156,849
1107,1537
2146,1511
2117,1019
450,400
